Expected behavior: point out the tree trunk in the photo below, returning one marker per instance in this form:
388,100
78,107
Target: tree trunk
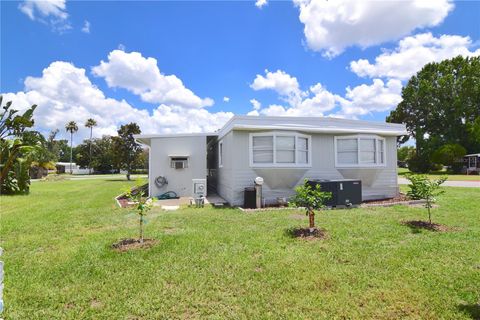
71,151
90,153
428,208
141,229
311,219
128,175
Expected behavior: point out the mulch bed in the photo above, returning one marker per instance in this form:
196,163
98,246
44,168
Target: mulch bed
419,224
132,244
123,202
304,233
400,199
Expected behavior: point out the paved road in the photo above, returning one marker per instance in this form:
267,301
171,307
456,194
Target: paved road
468,184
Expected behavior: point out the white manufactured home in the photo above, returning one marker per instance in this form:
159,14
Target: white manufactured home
282,150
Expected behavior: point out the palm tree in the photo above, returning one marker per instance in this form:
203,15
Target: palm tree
90,124
72,128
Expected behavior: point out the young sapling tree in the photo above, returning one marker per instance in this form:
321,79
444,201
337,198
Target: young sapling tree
142,205
311,198
421,187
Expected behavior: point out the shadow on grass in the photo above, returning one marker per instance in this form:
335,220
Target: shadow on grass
472,310
418,225
297,232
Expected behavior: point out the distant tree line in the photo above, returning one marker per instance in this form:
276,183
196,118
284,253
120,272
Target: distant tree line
113,153
25,152
441,109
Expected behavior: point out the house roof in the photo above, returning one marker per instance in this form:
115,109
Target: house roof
145,138
303,124
312,124
472,155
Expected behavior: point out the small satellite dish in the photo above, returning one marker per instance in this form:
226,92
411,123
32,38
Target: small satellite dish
259,181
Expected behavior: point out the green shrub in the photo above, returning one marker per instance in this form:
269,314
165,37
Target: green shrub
449,154
421,164
10,184
421,187
22,172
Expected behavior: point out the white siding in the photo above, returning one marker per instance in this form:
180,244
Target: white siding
179,180
225,173
378,182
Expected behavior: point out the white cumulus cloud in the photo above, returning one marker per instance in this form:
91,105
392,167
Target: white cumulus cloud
365,99
226,99
332,26
318,101
50,12
282,83
64,92
261,3
142,77
255,104
412,53
86,27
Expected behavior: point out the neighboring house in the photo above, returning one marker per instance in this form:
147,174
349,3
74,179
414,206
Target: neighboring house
472,163
64,167
282,150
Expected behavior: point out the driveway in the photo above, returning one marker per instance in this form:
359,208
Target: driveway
467,184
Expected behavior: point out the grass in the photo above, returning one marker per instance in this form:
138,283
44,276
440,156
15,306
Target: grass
225,264
437,174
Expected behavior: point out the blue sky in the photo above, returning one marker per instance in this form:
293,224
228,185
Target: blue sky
213,50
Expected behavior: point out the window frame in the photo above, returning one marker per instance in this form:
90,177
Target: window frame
276,164
380,155
220,154
474,162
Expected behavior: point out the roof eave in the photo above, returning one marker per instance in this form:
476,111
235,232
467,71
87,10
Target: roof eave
385,132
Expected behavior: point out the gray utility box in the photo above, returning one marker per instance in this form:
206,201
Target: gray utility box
345,192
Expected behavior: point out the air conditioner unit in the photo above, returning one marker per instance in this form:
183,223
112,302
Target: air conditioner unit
345,192
179,163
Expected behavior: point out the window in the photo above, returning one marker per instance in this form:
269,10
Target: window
347,151
472,162
262,149
302,150
381,151
359,151
220,154
285,149
279,149
368,151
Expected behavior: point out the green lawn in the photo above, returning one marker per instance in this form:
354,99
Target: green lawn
451,177
225,264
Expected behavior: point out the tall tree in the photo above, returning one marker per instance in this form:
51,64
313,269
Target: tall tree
90,124
441,105
102,154
72,128
126,149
